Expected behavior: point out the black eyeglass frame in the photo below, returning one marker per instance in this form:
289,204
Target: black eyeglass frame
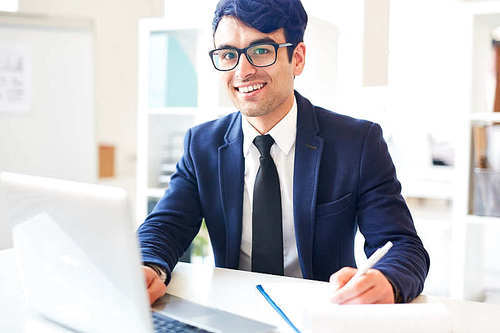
244,51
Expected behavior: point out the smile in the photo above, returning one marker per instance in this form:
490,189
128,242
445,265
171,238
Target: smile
249,89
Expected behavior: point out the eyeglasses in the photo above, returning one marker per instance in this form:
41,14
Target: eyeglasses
259,55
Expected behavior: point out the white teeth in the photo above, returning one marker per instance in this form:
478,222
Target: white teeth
248,89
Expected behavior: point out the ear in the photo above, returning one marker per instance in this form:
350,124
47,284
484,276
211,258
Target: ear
299,58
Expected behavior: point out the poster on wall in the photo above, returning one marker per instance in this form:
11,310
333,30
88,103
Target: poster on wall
15,79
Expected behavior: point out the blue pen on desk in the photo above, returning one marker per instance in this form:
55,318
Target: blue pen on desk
276,307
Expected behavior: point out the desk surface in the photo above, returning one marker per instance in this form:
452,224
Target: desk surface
232,291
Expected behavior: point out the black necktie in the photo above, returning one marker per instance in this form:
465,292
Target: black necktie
267,230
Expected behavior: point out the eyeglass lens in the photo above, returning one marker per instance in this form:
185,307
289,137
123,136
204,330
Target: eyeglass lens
259,55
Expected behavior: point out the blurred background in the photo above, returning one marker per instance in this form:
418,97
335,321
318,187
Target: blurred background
102,91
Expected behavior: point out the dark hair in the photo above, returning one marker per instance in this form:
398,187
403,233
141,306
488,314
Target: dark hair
267,16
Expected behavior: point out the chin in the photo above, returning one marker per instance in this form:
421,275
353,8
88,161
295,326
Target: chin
252,112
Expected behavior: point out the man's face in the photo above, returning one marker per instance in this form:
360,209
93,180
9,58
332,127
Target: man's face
274,83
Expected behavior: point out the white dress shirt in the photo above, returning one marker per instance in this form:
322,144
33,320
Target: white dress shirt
283,154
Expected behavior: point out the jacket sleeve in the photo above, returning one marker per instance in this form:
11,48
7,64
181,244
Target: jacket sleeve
384,216
170,228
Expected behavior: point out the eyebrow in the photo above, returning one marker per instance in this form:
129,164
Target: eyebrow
257,41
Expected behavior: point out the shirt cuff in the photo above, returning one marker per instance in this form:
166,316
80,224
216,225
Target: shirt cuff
159,270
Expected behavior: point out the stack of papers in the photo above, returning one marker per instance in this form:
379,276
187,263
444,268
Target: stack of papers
309,308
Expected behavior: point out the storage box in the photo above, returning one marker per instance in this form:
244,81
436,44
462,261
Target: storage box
486,192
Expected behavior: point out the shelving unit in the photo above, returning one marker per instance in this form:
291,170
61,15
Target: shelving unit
475,237
176,92
434,182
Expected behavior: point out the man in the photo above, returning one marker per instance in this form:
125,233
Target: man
282,184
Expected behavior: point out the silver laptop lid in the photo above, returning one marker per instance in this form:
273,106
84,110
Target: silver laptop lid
77,252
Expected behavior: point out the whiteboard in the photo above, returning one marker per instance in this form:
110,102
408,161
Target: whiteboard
55,135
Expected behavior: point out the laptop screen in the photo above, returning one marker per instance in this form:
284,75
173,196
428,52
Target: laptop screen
77,253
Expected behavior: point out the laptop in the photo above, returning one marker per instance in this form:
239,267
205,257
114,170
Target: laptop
79,262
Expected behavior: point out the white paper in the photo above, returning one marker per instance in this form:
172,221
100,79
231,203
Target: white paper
386,318
15,79
309,308
295,299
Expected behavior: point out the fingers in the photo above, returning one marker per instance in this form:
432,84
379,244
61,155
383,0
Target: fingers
372,287
149,275
369,296
353,290
155,286
341,277
156,290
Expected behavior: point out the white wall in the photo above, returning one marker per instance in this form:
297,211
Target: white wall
8,5
426,71
116,66
55,135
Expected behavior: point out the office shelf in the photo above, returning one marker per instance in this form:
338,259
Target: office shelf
432,183
176,92
487,117
483,220
155,192
173,111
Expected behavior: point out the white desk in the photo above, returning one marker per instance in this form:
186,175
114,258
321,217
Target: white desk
233,291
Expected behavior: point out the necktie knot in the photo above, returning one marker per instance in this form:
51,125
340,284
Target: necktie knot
263,144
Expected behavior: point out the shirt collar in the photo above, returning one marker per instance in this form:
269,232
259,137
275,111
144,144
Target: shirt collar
283,132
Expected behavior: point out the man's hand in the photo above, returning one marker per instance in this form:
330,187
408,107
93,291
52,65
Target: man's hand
156,287
370,288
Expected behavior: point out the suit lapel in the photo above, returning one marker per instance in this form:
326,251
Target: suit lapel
231,169
308,150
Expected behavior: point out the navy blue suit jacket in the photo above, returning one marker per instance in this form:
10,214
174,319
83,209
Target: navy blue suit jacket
343,179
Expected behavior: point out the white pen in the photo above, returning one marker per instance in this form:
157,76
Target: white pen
374,258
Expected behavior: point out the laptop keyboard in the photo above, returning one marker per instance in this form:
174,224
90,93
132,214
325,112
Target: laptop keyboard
165,324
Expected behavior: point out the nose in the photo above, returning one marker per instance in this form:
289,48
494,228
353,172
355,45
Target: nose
244,69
